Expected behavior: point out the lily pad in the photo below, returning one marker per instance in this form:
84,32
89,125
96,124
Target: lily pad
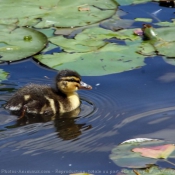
47,32
156,152
91,39
166,42
97,33
154,170
146,49
165,24
116,24
89,49
58,13
72,31
144,19
20,43
3,75
72,45
142,154
109,59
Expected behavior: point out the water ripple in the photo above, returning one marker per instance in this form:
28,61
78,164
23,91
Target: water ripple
101,124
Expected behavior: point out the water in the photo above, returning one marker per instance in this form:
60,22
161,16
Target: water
132,104
137,103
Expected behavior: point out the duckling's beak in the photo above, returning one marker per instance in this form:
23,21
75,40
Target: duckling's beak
85,86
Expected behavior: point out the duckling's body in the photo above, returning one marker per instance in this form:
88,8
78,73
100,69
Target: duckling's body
42,99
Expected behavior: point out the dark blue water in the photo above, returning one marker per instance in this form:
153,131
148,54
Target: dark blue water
132,104
137,103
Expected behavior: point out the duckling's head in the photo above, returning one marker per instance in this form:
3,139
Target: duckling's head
69,81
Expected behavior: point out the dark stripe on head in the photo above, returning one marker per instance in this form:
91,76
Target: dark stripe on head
67,73
71,80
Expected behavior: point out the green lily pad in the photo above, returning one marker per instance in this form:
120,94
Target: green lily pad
144,19
97,33
49,47
20,43
109,59
89,49
165,42
91,39
47,32
68,31
169,60
165,24
153,170
125,154
166,48
166,33
146,49
3,75
58,13
116,24
72,45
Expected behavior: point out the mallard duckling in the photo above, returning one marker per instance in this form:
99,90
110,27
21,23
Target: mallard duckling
43,99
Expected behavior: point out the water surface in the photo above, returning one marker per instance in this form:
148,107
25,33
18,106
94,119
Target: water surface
136,103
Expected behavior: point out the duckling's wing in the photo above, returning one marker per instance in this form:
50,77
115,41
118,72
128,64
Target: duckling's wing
14,104
28,94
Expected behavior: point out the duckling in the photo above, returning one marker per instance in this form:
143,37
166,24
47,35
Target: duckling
45,100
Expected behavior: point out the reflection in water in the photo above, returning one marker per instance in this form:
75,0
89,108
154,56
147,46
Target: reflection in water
145,114
65,124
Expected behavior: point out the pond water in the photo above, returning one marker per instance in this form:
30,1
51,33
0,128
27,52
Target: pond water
132,104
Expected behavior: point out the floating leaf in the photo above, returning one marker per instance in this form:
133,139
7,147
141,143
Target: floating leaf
160,40
91,39
156,152
153,170
165,48
68,31
3,75
144,19
73,45
20,43
165,24
166,43
58,13
109,59
123,156
166,33
89,49
115,23
47,32
97,33
49,48
146,49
